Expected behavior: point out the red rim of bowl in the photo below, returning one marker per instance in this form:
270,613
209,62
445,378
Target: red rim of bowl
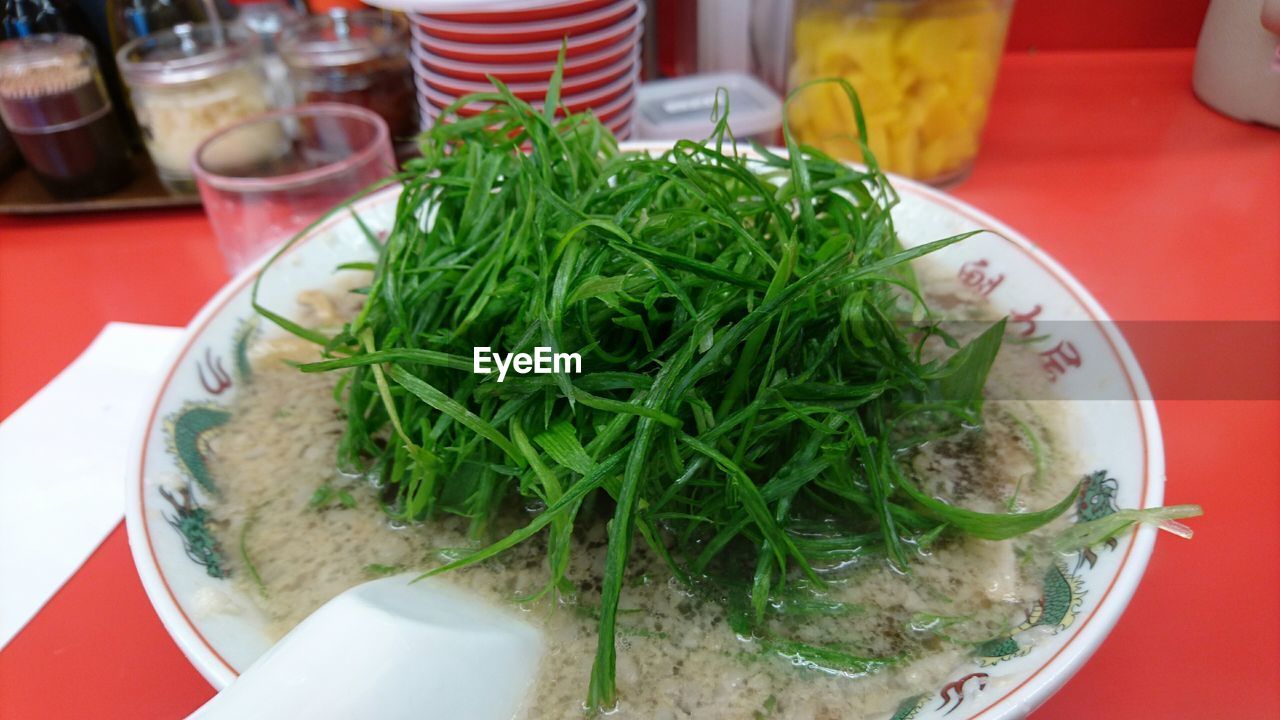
571,7
381,140
623,106
616,116
526,72
617,124
524,53
598,97
622,130
525,32
570,85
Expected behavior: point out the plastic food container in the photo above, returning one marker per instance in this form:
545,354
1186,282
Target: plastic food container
360,58
186,84
682,109
923,70
53,102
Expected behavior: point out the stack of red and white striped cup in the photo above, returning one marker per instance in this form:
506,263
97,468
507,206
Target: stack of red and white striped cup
456,44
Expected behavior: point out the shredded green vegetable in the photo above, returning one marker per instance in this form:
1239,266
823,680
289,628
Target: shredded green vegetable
244,555
751,377
1087,534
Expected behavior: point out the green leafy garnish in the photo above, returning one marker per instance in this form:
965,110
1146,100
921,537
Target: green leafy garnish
244,554
380,570
1087,534
753,380
326,495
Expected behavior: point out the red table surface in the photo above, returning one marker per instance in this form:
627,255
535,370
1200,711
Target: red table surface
1165,210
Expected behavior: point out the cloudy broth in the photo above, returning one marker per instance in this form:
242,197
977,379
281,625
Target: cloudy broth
677,657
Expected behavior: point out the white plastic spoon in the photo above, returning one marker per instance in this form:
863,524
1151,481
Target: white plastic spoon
391,649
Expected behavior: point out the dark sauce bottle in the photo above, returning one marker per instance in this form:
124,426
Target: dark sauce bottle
9,157
54,104
24,18
360,58
10,160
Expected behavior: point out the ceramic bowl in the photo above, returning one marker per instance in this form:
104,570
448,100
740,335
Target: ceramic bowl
527,11
571,84
1118,441
539,71
533,51
503,30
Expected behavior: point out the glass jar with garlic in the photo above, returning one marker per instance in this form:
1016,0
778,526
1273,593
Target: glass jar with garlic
189,82
923,71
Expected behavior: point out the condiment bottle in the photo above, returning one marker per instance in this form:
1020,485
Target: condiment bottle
54,103
186,83
360,58
10,159
23,18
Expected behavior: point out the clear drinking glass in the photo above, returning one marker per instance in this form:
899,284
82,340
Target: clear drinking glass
265,178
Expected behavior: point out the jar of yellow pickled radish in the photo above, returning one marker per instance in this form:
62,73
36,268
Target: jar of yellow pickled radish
923,70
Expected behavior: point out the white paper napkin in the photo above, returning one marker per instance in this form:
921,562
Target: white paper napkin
62,461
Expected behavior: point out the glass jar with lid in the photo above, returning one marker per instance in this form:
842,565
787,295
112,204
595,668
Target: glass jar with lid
54,103
187,83
358,57
923,70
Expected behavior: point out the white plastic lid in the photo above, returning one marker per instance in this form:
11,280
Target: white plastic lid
680,109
